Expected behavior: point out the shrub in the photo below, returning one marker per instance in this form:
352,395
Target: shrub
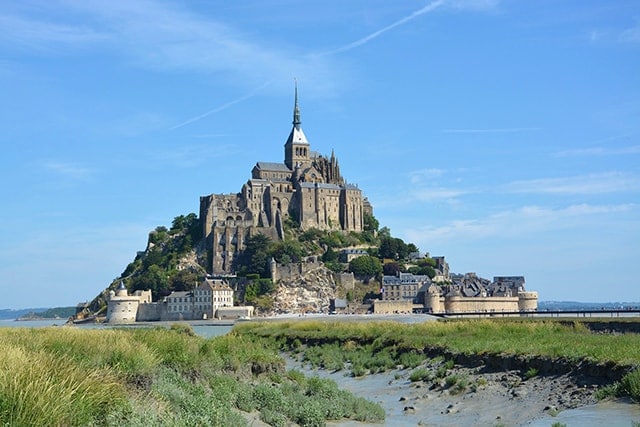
630,385
267,396
531,372
411,359
273,418
420,374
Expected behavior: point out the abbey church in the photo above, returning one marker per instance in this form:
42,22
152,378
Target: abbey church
307,188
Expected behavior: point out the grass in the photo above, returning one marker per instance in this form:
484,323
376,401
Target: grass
456,383
528,337
368,347
629,386
158,376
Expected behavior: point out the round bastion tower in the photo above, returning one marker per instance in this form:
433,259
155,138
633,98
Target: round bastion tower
432,300
122,307
527,301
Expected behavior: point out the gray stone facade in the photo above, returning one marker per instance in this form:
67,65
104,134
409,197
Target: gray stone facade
307,188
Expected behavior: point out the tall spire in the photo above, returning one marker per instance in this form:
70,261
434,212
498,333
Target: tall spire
296,109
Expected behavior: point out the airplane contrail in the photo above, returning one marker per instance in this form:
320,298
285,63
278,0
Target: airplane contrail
428,8
221,107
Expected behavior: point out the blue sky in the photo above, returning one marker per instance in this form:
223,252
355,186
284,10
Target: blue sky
504,135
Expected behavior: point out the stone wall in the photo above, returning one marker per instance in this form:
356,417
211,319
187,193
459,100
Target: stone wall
458,304
151,312
346,280
234,312
392,307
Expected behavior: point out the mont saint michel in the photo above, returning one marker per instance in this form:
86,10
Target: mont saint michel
297,238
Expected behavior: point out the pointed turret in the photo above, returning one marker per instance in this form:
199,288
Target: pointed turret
296,110
296,149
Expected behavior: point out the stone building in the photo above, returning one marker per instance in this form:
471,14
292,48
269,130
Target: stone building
201,303
307,187
466,293
213,298
404,286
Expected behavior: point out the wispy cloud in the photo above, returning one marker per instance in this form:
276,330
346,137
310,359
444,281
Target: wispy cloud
491,130
168,37
68,170
599,151
424,10
598,183
423,175
523,221
44,35
193,155
479,5
632,34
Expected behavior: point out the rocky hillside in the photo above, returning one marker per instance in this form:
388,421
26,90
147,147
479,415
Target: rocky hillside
176,259
307,293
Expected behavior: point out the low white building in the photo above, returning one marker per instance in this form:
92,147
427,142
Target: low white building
212,299
201,303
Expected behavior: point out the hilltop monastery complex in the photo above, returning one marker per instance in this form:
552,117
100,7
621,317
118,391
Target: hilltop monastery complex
308,189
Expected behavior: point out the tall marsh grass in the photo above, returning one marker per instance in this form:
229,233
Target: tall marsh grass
38,388
155,376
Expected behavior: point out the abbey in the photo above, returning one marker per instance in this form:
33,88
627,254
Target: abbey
307,188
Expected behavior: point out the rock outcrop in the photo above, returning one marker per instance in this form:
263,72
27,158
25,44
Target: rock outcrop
308,292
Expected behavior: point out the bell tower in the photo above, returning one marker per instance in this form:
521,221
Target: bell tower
296,149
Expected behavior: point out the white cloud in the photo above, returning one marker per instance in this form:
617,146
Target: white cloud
598,183
38,34
428,174
632,34
192,155
165,36
475,5
68,170
599,151
526,221
492,130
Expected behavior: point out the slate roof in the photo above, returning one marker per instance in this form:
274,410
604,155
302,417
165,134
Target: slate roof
271,166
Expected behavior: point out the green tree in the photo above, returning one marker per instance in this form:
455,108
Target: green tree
365,266
392,248
391,268
154,278
411,248
370,222
286,251
424,271
330,255
184,280
256,256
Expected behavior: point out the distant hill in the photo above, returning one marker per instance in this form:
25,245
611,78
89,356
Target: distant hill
574,305
9,314
50,313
